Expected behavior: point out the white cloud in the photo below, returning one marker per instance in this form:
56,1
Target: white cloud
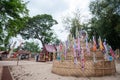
46,6
58,8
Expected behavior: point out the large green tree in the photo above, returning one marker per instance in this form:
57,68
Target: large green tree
106,20
32,47
39,27
12,17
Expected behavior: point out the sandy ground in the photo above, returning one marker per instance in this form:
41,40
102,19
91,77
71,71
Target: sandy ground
29,70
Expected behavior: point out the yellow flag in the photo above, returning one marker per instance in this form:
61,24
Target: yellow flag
94,44
101,45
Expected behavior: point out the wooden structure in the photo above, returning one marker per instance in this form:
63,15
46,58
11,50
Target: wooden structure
99,68
22,54
117,51
47,53
68,68
94,64
3,54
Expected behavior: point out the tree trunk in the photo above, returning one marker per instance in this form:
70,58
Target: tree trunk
43,44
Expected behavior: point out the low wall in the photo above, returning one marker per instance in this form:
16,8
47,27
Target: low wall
68,68
1,70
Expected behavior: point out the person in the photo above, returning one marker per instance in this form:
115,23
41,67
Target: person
0,57
37,57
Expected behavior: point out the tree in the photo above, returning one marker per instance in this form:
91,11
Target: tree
56,41
32,47
39,27
12,13
73,23
106,20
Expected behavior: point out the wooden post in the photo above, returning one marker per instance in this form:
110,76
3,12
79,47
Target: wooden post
49,56
114,65
17,60
17,52
103,67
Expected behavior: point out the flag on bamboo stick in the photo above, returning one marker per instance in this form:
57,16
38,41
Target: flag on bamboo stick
66,47
83,64
87,47
82,59
61,47
94,44
77,33
101,44
105,46
58,53
75,56
106,50
112,52
79,49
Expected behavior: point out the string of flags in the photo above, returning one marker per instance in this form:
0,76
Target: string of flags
79,50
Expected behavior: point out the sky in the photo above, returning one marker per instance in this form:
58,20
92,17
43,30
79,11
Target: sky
59,9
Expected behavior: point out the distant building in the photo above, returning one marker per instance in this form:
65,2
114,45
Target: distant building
22,54
3,54
47,53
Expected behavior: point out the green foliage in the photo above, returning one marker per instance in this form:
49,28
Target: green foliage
106,20
32,47
13,15
15,49
56,41
39,27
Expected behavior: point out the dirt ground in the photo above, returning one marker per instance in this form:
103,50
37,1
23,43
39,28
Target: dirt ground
30,70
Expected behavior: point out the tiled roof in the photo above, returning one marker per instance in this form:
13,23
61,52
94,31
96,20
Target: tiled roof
50,48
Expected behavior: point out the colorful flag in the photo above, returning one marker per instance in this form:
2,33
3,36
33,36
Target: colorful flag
112,52
75,47
94,44
87,47
61,47
106,50
82,59
66,47
101,44
58,53
105,46
83,64
79,49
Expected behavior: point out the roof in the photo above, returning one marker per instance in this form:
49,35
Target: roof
23,52
3,52
50,48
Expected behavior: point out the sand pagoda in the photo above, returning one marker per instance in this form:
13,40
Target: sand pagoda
83,59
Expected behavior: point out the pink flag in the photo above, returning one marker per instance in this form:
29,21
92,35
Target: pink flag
105,46
75,47
61,46
87,47
112,52
79,46
82,59
83,64
66,47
